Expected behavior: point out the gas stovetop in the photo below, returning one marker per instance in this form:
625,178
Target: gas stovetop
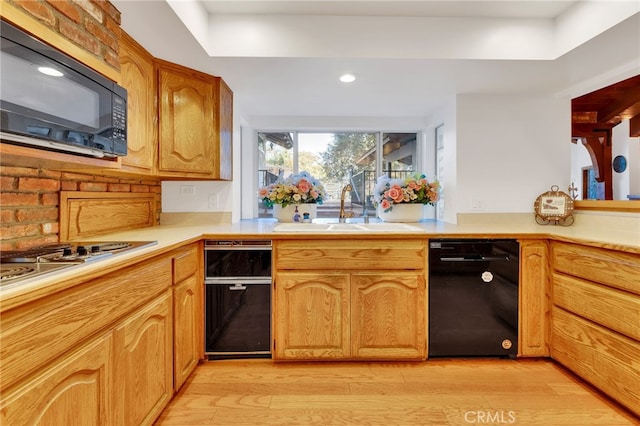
20,265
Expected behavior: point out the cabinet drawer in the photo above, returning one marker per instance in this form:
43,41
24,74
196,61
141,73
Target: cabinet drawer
185,263
351,254
604,358
615,309
612,268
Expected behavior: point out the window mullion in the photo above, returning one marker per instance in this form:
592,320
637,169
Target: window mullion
296,167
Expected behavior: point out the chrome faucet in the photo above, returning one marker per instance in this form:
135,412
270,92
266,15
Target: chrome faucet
344,215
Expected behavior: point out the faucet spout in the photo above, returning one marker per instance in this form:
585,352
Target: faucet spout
344,215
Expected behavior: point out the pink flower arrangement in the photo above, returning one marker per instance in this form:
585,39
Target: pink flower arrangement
414,189
301,188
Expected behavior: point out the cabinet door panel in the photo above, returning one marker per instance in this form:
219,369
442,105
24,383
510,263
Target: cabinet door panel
225,132
75,391
388,318
144,349
137,73
187,328
312,315
186,131
534,298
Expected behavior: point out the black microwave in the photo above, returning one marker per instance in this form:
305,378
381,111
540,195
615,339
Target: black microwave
51,101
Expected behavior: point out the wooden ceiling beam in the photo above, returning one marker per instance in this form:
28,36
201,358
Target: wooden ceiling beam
634,126
587,130
624,106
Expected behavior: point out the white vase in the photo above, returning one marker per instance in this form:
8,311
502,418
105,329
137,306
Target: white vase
402,213
288,213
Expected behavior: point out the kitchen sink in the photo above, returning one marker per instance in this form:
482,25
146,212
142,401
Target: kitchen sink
346,227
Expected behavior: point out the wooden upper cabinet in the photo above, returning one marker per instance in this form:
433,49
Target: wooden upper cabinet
225,130
187,122
138,77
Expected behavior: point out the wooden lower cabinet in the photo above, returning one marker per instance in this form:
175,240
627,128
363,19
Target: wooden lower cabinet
144,366
312,318
388,315
97,353
602,357
595,319
187,328
350,315
534,304
76,390
188,312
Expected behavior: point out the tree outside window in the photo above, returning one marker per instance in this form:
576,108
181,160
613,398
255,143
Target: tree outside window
336,159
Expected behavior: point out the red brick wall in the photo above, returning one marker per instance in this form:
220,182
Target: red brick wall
29,197
91,24
30,200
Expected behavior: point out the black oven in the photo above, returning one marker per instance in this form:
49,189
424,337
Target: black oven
237,298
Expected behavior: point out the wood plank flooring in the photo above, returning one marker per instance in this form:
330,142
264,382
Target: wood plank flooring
436,392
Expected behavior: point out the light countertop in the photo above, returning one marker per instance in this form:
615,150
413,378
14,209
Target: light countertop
615,232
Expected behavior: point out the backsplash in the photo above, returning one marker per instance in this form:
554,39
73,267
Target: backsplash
30,199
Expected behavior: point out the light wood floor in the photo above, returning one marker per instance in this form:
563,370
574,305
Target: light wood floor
437,392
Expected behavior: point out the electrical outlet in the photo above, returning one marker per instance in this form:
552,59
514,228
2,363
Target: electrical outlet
476,204
214,201
187,190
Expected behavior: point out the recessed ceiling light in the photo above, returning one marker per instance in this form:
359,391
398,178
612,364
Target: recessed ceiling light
348,78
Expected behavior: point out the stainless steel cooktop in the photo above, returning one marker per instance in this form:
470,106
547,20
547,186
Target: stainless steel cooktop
22,265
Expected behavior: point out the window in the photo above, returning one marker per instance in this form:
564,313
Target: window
336,159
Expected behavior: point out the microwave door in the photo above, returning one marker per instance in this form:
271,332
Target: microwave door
32,82
49,100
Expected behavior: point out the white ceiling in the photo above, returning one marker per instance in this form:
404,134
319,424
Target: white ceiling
282,58
443,8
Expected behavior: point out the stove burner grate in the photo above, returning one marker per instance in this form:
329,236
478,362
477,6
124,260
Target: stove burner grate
11,271
30,255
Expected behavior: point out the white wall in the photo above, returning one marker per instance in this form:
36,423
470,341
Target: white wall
248,151
501,152
446,116
510,149
196,196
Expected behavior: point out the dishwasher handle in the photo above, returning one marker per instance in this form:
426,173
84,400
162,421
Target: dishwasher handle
474,258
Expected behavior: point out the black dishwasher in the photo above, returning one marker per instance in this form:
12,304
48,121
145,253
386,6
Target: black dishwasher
473,297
